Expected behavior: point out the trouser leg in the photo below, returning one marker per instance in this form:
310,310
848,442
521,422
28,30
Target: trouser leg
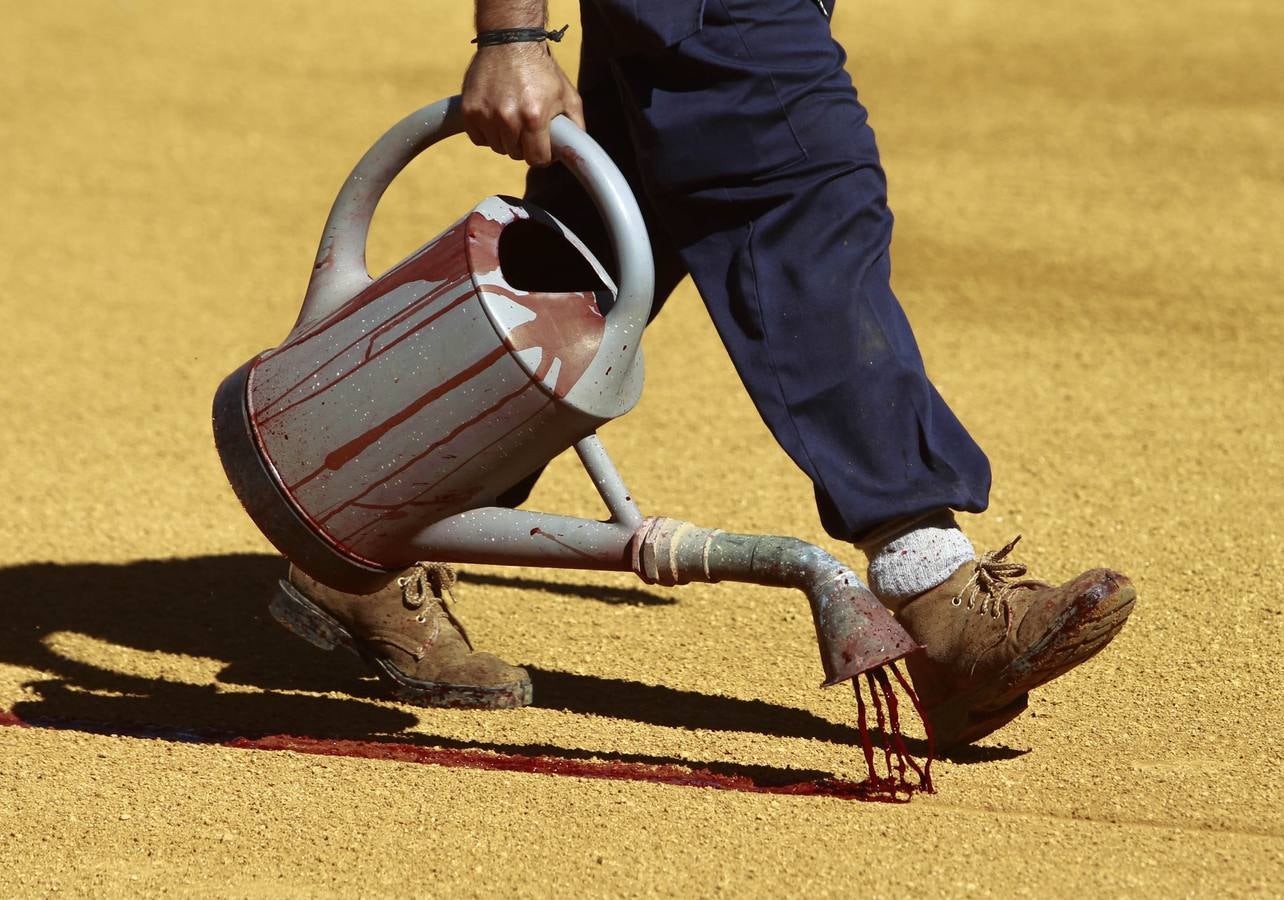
759,161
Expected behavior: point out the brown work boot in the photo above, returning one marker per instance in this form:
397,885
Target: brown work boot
410,636
992,636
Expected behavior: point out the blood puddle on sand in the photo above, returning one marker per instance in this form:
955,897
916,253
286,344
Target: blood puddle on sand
742,779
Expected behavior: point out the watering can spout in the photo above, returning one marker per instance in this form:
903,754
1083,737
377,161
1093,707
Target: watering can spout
859,639
855,633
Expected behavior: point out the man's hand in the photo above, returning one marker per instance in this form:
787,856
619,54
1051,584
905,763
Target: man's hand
511,92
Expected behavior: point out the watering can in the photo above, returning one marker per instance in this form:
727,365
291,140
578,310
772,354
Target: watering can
381,430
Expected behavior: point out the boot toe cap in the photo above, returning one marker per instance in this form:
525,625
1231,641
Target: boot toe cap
1102,598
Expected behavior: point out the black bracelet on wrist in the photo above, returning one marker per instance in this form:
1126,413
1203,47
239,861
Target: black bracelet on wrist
517,36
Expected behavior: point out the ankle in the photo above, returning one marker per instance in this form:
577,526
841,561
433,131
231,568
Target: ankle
906,563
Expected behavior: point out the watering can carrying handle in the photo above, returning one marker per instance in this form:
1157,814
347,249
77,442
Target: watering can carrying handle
340,272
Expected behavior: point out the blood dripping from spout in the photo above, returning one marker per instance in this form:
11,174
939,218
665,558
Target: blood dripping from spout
899,764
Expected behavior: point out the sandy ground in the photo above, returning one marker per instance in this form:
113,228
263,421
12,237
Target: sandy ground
1090,204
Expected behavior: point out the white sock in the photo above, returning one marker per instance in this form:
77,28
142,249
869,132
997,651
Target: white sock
917,559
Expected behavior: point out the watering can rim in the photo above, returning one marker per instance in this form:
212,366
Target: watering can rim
340,271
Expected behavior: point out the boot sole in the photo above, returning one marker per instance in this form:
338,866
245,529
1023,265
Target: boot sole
969,717
954,724
300,616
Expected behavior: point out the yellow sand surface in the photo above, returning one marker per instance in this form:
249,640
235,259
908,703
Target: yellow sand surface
1090,201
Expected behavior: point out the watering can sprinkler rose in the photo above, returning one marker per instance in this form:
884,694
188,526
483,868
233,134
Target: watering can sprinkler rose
384,426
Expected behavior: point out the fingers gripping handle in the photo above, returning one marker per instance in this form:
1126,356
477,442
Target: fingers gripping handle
340,271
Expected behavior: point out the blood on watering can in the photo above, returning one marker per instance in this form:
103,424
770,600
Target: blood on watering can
399,401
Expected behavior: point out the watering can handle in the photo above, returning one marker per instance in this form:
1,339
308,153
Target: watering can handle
340,271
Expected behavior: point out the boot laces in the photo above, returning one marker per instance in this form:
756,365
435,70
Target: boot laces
992,583
436,580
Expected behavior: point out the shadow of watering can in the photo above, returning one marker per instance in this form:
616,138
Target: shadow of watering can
381,430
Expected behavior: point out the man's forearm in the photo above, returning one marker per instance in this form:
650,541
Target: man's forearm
512,91
495,14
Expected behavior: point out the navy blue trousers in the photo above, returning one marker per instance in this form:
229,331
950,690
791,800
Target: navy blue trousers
741,134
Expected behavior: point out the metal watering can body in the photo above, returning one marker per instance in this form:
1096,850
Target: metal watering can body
399,401
397,409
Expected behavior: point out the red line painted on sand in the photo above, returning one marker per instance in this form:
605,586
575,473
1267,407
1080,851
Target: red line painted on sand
536,764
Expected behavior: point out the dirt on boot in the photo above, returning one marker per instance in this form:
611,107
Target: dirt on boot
992,635
409,634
